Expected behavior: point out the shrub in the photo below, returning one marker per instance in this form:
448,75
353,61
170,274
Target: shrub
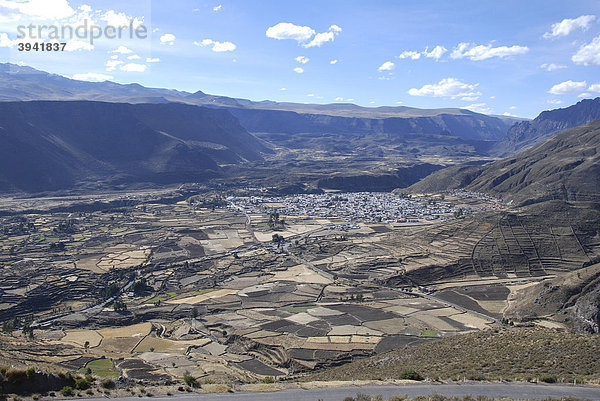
548,379
190,380
107,383
410,374
82,384
67,391
268,380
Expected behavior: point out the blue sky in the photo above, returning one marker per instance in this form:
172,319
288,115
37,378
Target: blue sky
516,57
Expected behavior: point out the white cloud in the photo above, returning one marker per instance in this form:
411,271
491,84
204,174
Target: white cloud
122,50
283,89
410,54
152,60
134,57
399,102
554,101
311,95
372,102
216,46
484,52
568,87
287,30
552,66
117,19
594,88
568,25
133,67
478,108
387,66
588,53
324,37
74,45
111,65
512,107
92,77
167,39
436,53
299,70
447,87
302,34
469,98
350,99
217,8
302,59
114,56
5,41
35,9
339,99
507,114
333,62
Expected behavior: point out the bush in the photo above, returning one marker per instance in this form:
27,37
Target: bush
190,380
410,374
548,379
268,380
82,384
67,391
107,383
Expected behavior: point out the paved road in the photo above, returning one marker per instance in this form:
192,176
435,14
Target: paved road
518,391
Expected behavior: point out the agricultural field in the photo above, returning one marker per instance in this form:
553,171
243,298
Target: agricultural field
153,291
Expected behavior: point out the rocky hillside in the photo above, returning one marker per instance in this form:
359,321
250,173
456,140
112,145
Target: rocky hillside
566,167
525,134
46,145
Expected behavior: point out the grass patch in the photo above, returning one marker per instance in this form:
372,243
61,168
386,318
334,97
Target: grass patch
161,297
101,368
429,333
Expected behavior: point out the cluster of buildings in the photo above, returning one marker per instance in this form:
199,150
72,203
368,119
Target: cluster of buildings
365,207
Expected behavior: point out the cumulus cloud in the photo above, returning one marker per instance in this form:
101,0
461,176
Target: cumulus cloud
568,87
410,54
133,67
133,57
117,19
122,50
152,60
447,87
299,70
217,46
112,65
287,30
75,45
302,59
568,25
324,37
436,53
333,61
484,52
13,10
167,39
304,35
217,8
478,108
552,66
339,99
387,66
594,88
588,53
92,77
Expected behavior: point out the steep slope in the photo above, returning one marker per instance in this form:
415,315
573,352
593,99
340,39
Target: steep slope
525,134
566,167
47,145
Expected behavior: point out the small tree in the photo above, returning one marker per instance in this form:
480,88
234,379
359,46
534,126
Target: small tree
190,380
